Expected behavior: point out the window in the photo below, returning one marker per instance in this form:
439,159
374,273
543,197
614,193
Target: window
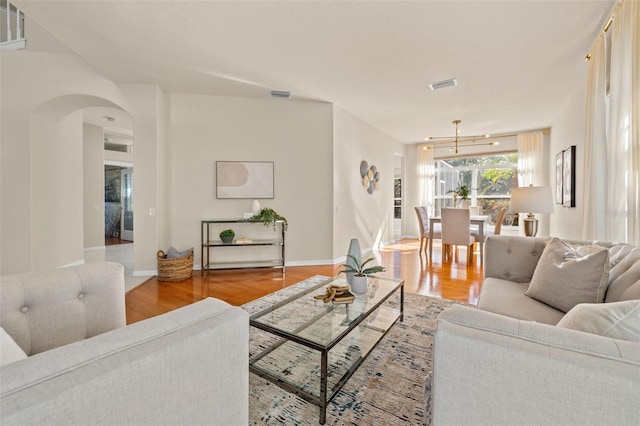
490,178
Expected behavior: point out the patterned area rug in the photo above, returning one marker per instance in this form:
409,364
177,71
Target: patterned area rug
387,389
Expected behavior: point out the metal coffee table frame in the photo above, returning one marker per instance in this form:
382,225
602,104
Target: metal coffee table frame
325,396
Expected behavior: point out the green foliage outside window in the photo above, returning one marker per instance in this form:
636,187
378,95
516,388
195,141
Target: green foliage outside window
489,177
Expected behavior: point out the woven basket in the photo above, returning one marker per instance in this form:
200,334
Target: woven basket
175,269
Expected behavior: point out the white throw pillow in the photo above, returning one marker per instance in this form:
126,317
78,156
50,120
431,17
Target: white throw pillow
566,276
618,320
9,349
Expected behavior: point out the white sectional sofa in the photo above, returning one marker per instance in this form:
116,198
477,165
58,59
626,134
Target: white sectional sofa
508,363
84,366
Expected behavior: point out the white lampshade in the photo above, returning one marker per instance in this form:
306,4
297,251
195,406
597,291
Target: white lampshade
531,199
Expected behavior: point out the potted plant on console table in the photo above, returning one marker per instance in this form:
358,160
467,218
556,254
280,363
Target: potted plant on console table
227,236
269,216
359,283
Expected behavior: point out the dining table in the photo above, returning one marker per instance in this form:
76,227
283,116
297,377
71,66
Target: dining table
480,220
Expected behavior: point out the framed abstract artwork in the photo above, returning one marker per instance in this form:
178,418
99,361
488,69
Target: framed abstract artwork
569,177
244,179
559,171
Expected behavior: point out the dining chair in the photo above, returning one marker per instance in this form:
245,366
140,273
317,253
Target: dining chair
475,211
498,225
455,232
499,219
423,222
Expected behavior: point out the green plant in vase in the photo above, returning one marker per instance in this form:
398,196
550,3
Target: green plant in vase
227,235
462,191
268,216
359,268
360,272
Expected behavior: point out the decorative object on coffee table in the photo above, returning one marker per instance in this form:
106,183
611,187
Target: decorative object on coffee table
354,251
336,294
227,236
359,281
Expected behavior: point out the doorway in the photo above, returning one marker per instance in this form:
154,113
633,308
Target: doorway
126,219
118,204
398,196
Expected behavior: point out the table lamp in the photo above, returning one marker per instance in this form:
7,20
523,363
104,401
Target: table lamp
531,199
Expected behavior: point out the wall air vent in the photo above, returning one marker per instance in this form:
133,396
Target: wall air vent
283,94
444,83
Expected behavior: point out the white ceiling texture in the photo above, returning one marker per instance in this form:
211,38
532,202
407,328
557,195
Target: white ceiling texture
515,61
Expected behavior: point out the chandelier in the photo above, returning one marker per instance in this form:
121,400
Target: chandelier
458,141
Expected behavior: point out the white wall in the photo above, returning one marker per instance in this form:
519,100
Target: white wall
56,190
40,87
146,106
93,186
119,158
356,213
296,136
567,130
411,189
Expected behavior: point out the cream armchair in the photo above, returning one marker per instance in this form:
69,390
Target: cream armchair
189,366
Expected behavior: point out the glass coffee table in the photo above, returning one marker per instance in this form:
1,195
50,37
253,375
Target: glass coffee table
321,345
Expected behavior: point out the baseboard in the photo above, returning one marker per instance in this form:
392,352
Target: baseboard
145,273
310,262
76,263
97,248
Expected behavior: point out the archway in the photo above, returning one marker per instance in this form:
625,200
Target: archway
57,184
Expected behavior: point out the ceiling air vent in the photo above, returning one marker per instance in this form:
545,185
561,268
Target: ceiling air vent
283,94
444,83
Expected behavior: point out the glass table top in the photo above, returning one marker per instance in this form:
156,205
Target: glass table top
303,317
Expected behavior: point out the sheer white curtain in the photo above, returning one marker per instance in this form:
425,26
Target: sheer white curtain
623,145
426,176
594,225
530,159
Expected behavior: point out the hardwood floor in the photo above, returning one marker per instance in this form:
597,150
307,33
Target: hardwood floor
454,281
110,241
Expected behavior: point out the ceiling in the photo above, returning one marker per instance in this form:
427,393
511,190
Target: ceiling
117,124
516,62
